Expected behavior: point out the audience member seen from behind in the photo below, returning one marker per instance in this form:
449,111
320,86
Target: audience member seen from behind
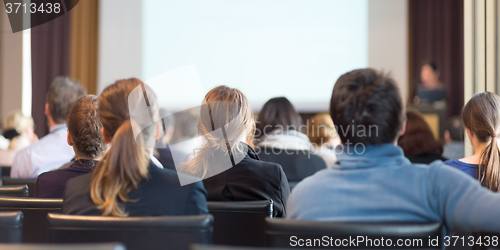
229,167
52,150
324,138
454,147
84,135
185,139
279,139
377,183
482,122
162,150
19,129
418,142
128,181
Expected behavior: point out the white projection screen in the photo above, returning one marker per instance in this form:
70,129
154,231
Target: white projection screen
291,48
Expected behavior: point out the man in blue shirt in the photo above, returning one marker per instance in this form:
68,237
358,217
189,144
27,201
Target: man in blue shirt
52,151
373,181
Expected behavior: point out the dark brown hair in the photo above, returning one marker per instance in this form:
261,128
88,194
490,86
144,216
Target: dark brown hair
85,128
278,113
418,138
481,116
62,93
125,164
366,107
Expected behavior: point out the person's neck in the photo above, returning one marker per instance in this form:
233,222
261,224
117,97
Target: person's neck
478,151
435,84
80,156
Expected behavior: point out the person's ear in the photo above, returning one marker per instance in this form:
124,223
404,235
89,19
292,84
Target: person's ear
47,110
68,138
105,137
402,131
158,131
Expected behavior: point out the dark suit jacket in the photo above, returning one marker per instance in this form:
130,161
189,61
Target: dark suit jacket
52,184
297,164
159,195
249,180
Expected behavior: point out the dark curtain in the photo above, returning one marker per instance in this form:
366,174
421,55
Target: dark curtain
436,34
49,58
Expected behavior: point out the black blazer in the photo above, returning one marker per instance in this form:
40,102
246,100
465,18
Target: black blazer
297,164
249,180
159,195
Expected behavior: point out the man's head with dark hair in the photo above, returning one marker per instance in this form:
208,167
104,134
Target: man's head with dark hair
454,129
62,93
366,108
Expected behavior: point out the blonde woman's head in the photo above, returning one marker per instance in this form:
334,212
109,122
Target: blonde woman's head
226,120
321,130
16,121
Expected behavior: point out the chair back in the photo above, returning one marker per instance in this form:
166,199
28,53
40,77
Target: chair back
35,212
14,191
240,223
105,246
137,233
11,227
7,181
287,233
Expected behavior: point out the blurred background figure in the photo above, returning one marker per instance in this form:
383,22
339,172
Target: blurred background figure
18,133
454,147
19,129
4,142
324,138
162,151
418,142
185,135
432,89
430,77
279,139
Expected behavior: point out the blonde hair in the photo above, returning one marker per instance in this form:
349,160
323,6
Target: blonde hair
125,164
226,109
17,121
321,129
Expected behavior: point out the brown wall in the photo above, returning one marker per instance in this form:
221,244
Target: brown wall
436,33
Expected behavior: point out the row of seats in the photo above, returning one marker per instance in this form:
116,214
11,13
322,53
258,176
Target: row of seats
106,246
178,232
7,181
14,191
236,223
